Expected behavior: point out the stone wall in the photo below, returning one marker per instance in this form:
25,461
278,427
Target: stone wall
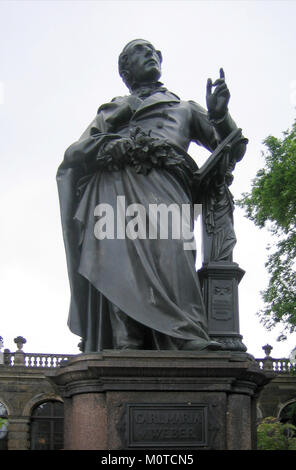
21,389
24,384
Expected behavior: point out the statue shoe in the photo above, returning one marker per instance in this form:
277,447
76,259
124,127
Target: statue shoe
198,345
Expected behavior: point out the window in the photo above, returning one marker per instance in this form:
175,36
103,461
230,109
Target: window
3,427
47,426
288,414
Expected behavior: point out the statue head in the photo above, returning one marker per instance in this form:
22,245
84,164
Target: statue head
139,63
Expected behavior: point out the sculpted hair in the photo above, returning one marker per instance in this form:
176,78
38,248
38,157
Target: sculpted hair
123,64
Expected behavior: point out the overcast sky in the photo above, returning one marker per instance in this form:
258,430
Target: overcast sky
58,64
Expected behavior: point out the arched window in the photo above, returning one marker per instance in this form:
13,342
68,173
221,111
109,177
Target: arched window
3,427
47,426
288,414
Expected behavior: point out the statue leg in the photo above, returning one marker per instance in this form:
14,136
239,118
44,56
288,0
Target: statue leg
126,332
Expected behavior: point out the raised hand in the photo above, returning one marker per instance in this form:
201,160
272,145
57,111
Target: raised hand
217,101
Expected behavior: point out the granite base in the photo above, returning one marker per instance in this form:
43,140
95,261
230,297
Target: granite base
160,400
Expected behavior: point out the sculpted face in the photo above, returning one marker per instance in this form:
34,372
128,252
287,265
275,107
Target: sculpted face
144,62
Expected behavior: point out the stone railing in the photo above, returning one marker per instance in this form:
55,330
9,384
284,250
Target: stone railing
280,366
43,361
51,361
34,360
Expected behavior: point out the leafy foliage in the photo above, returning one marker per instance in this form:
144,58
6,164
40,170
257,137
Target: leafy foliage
3,422
273,435
271,203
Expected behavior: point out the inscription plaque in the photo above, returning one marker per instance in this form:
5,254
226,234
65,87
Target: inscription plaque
167,425
222,300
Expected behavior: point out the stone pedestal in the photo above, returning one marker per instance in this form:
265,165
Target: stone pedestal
219,281
160,400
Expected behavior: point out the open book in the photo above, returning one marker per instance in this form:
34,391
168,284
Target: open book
216,157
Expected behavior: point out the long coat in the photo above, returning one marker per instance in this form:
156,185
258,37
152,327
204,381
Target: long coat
152,281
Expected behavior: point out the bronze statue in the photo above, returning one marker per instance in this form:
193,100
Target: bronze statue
144,293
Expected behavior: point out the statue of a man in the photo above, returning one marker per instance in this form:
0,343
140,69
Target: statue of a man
137,292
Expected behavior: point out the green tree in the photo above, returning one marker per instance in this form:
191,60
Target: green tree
273,435
271,203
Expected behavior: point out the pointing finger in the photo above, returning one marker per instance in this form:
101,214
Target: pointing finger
209,86
222,74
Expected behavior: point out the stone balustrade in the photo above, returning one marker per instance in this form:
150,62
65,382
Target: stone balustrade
280,366
51,361
34,359
45,361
